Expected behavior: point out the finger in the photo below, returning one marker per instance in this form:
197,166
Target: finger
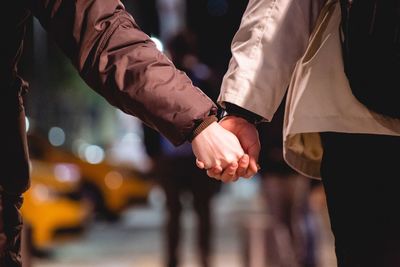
213,175
253,153
229,173
252,169
243,165
215,172
200,164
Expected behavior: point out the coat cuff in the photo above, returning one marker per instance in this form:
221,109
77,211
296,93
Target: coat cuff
203,125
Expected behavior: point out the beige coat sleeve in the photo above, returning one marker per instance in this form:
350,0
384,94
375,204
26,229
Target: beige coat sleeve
272,36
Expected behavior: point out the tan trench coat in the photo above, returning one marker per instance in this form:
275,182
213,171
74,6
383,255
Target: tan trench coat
294,46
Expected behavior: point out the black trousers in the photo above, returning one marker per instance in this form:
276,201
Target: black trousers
10,230
179,175
360,174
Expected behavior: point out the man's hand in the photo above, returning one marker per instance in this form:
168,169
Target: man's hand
219,150
249,140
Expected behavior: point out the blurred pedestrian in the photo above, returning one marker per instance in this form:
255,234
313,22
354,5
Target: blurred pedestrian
173,169
184,184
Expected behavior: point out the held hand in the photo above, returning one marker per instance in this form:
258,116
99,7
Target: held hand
249,140
217,149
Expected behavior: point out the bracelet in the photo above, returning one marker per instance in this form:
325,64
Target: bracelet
204,124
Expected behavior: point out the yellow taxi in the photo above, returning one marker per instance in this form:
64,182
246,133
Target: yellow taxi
50,205
108,188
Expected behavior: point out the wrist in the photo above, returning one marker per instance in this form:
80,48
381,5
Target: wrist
232,123
202,126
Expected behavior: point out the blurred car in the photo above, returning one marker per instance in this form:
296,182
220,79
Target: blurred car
51,205
108,188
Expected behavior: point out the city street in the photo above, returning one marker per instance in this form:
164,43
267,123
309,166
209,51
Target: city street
137,240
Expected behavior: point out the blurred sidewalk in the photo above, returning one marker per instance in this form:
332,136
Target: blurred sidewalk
137,240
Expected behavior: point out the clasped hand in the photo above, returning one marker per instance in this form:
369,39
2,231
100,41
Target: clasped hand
228,149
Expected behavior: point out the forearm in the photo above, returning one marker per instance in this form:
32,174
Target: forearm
272,36
122,64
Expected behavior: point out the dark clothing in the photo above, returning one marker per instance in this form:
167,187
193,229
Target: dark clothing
14,178
10,230
360,174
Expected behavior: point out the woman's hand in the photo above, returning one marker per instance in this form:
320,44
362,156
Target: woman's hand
219,151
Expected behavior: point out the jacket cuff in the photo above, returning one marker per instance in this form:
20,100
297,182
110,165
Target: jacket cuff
251,117
204,124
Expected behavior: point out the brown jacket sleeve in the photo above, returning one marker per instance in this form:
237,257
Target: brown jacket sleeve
121,63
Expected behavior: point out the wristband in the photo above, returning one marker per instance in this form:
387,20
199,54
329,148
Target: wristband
204,124
234,110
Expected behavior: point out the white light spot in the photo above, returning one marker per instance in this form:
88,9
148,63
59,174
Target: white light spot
27,124
158,43
66,172
56,136
94,154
